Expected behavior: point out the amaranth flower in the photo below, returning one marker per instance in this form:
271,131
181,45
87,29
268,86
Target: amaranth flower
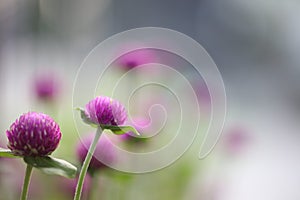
33,134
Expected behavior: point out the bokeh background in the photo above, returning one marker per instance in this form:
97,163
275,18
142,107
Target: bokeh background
255,45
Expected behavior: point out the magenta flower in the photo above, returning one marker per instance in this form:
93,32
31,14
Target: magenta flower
136,58
46,87
236,139
105,111
33,134
105,152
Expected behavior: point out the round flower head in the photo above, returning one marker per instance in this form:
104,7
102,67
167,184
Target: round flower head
236,139
105,111
46,87
136,58
33,134
105,153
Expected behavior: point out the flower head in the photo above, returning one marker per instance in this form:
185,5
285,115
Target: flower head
46,87
33,134
136,58
236,139
105,111
104,154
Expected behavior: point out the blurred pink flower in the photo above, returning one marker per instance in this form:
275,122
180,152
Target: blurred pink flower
136,58
46,87
236,139
104,151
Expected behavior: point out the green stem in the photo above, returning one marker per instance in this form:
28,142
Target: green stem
92,187
86,164
26,182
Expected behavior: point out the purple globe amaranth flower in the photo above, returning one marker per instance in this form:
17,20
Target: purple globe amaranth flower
46,87
136,58
105,153
105,111
33,134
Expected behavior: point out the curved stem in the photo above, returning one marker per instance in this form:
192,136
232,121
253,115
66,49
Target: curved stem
26,182
92,187
86,164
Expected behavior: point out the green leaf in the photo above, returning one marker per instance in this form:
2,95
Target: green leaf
120,130
85,119
7,153
52,166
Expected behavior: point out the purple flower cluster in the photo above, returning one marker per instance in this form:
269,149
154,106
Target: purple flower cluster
33,134
104,152
105,111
